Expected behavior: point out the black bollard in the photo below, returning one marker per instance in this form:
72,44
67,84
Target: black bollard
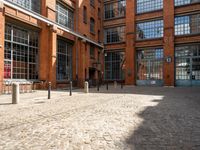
97,86
49,90
70,89
107,85
122,85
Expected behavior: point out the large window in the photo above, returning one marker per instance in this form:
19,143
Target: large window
33,5
187,24
21,53
150,64
115,9
64,61
187,62
149,5
150,29
64,15
114,35
185,2
113,65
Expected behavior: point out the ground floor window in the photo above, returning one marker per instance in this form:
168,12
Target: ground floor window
113,65
64,60
187,64
21,53
150,64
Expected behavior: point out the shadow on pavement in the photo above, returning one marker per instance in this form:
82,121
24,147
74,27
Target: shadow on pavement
173,124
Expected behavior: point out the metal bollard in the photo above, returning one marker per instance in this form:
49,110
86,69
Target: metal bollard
107,85
86,87
115,84
15,93
49,90
122,85
70,89
97,86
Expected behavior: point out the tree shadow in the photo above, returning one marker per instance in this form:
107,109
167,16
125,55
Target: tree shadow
173,124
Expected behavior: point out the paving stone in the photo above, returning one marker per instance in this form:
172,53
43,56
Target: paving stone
135,118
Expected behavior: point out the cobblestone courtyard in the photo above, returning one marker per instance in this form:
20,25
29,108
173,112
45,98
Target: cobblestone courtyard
135,118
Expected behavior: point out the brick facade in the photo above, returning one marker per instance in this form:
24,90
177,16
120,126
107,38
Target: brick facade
83,66
167,42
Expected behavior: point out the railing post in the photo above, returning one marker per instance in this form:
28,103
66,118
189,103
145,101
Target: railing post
49,90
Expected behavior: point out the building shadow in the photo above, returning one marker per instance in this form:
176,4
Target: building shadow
172,124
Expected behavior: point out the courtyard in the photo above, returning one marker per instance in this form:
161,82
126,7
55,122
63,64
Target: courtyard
132,118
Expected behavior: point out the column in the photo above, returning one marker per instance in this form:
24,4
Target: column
2,27
130,43
168,16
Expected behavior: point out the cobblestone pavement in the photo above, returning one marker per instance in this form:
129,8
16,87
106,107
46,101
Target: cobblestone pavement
135,118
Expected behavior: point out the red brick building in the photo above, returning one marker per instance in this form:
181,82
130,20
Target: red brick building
156,42
50,41
133,41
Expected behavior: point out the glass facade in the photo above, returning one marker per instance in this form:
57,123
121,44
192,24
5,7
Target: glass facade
185,2
64,16
188,62
150,29
148,5
150,64
113,65
115,9
64,60
189,24
114,35
21,53
33,5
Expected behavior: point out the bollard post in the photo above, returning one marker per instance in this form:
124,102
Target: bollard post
122,85
107,85
70,89
97,86
86,87
115,84
49,90
15,93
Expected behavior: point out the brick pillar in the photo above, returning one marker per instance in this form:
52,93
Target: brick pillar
130,43
2,27
168,15
44,51
82,62
52,56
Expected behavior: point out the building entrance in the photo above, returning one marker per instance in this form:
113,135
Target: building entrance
150,67
187,65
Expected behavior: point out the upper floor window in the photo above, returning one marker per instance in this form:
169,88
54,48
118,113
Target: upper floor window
33,5
115,9
92,51
185,2
85,14
92,2
92,25
149,5
189,24
150,29
114,35
99,13
64,15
